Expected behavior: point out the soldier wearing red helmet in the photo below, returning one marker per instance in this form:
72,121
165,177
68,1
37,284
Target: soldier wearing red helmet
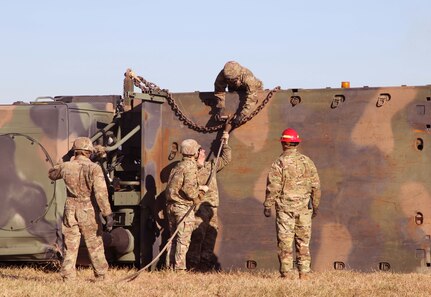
290,136
293,185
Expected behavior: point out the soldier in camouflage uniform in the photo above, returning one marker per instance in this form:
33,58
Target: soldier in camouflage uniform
237,78
293,185
85,184
201,251
182,194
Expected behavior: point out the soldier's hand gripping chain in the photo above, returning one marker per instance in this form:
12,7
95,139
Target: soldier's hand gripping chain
221,115
267,212
237,120
109,219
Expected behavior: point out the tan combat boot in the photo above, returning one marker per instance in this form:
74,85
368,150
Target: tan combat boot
289,275
99,278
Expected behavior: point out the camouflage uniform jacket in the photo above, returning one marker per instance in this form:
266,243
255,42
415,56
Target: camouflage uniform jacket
84,180
245,81
182,185
211,196
292,181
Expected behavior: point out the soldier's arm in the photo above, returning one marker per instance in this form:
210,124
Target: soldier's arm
101,191
252,84
225,158
220,85
315,186
174,182
273,184
54,173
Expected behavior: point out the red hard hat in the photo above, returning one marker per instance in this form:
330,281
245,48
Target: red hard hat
290,135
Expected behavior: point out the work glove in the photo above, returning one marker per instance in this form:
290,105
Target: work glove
203,188
221,115
99,151
267,212
109,222
225,137
314,213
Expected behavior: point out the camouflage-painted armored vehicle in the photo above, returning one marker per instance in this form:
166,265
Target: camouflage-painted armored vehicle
370,146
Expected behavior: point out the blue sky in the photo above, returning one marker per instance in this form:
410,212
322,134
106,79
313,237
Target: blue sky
78,47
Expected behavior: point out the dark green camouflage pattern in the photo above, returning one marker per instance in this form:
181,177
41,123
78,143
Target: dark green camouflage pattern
370,146
33,137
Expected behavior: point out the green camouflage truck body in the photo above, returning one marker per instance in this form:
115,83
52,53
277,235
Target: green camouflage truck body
370,146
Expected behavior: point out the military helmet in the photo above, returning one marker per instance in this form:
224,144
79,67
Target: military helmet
83,143
290,135
232,70
189,147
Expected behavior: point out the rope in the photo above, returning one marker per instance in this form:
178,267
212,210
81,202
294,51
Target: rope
169,242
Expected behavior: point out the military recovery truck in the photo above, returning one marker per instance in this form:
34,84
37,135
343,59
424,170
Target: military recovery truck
370,146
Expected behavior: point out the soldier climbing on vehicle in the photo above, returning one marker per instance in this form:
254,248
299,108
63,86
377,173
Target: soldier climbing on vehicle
236,78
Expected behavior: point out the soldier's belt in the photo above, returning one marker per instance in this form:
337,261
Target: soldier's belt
79,199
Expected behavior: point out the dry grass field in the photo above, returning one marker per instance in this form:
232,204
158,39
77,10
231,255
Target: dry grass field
30,281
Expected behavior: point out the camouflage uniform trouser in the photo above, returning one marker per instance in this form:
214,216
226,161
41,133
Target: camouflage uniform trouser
80,219
177,255
201,250
294,226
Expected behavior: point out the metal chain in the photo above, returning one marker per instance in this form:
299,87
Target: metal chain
260,107
147,86
188,122
192,125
